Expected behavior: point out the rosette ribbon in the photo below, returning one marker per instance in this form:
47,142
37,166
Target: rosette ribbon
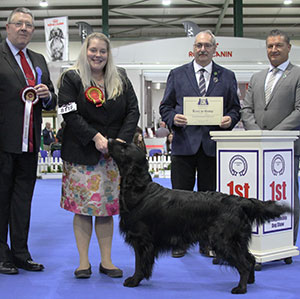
30,98
95,95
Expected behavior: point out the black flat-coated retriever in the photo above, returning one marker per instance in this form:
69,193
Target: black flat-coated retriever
154,219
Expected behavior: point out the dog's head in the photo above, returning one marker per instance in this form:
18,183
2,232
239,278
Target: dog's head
56,33
127,155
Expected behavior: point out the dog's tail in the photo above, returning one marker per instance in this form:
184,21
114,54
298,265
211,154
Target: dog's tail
263,211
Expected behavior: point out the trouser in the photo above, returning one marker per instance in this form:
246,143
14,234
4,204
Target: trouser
184,169
17,180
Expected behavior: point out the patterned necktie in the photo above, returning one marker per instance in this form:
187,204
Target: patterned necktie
269,86
27,70
202,86
31,81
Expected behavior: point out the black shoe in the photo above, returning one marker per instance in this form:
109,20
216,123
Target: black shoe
178,252
114,273
86,273
29,265
8,268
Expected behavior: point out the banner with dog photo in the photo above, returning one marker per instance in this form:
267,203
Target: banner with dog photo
57,38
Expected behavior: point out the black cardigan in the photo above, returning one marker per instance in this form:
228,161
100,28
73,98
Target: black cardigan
117,118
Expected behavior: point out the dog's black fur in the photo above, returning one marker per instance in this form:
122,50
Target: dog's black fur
155,219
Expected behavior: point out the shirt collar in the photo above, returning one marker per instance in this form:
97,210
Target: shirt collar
282,67
198,67
15,50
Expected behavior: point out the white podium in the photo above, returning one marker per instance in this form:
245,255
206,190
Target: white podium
260,164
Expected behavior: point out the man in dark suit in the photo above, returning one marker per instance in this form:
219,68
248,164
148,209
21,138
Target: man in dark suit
193,150
278,108
21,99
48,136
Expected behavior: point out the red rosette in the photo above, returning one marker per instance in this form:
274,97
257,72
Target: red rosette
95,95
28,93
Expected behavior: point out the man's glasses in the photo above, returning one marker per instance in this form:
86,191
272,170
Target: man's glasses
205,45
20,24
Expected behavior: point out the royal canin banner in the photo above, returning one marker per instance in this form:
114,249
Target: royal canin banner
57,38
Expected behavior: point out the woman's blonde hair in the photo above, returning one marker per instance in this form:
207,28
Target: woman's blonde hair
112,78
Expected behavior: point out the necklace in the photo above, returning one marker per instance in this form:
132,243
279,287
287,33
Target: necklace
99,82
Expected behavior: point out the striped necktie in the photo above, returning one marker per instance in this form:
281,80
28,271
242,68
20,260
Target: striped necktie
269,86
202,86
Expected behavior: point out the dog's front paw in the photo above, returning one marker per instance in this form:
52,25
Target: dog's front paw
131,282
239,290
251,278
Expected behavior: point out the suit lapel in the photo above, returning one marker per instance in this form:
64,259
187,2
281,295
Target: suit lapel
262,84
215,78
190,72
283,77
34,63
8,56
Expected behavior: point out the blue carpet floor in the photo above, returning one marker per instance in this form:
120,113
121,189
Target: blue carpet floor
52,243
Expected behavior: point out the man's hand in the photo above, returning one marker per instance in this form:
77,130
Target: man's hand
180,120
226,122
42,91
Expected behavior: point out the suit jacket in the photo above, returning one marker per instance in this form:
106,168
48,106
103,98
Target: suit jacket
182,83
48,137
283,109
117,118
12,81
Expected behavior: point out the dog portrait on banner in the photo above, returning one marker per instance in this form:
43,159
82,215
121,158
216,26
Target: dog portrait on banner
56,32
56,39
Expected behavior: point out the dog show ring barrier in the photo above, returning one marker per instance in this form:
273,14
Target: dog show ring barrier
50,167
260,164
159,165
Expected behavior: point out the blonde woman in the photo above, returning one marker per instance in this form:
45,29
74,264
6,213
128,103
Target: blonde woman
97,102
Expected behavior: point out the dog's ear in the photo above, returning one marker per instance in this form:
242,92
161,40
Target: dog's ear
60,33
111,141
51,35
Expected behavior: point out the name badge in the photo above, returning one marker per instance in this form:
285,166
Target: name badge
67,108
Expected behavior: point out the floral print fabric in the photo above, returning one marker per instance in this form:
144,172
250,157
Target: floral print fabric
91,190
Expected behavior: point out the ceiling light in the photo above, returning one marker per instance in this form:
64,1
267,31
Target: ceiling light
287,2
43,3
166,2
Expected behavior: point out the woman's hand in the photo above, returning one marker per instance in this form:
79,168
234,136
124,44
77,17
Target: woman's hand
101,143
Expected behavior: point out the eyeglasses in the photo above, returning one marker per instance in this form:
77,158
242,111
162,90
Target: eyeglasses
205,45
20,24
